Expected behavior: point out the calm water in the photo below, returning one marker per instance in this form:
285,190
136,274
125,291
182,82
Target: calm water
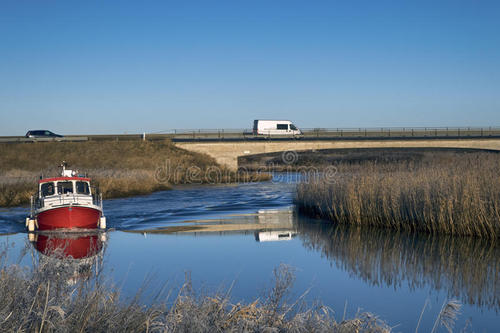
240,233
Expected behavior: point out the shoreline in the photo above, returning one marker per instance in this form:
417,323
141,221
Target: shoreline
119,169
112,191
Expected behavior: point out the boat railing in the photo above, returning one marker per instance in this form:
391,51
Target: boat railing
96,196
36,202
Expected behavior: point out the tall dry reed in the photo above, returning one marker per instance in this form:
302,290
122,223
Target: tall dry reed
42,300
447,193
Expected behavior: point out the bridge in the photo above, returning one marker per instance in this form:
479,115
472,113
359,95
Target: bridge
227,152
225,146
202,135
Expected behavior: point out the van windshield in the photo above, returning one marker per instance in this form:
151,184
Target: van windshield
64,187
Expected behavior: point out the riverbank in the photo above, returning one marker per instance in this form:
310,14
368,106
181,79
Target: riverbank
448,193
42,300
119,168
344,157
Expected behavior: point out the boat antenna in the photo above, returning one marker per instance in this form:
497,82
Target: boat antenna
63,166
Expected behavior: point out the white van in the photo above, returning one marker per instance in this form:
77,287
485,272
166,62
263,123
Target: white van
275,127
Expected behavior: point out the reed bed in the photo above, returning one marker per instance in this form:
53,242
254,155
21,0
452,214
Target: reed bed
120,168
449,193
42,300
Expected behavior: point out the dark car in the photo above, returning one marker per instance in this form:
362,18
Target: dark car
42,134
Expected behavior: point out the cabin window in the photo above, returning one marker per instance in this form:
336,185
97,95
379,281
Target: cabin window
282,126
292,127
82,188
47,189
64,187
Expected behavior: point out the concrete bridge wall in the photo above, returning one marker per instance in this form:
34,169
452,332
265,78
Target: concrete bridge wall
226,153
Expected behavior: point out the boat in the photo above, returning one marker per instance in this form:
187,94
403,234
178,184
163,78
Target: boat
66,202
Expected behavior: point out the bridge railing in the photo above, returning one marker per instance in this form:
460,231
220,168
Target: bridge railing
199,134
308,134
326,133
404,132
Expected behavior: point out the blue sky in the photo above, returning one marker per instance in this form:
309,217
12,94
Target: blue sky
79,67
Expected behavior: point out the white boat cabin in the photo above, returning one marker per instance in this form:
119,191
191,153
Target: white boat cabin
64,191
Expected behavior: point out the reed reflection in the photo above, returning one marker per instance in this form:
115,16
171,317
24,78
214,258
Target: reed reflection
466,268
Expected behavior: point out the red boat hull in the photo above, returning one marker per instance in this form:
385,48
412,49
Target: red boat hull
68,218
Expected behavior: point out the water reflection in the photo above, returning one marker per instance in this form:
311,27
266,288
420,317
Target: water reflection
76,256
466,268
271,221
274,236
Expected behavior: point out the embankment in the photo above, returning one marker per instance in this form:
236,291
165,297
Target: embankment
120,168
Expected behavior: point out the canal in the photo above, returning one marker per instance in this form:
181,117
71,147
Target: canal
233,236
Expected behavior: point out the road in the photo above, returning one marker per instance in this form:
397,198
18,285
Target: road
312,134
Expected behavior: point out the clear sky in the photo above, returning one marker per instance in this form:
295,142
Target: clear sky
79,67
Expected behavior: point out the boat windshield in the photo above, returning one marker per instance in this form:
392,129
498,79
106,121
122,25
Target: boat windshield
47,189
64,187
82,188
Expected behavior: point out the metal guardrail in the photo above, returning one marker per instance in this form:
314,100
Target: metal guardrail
405,132
308,134
338,133
11,139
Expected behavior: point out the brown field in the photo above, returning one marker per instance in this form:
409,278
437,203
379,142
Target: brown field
120,168
451,193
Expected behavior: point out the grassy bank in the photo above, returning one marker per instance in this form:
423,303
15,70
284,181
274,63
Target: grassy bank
41,300
344,157
448,193
119,168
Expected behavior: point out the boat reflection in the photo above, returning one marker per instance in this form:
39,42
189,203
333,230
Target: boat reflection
78,256
465,268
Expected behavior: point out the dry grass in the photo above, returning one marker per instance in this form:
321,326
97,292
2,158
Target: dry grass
322,158
121,168
41,300
453,193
